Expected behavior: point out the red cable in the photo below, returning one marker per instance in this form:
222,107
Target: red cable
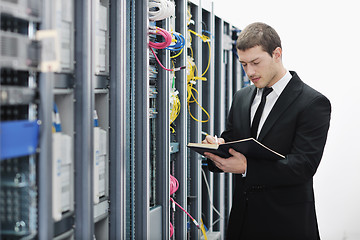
161,45
167,36
174,186
167,69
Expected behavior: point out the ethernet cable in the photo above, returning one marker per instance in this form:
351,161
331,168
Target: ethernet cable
161,9
192,219
179,42
56,126
192,92
174,186
209,192
206,39
162,66
161,45
193,74
203,230
162,32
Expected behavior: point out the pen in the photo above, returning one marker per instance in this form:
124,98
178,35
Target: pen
216,140
204,133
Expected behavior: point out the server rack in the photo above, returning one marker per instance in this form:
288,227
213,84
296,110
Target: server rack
20,113
114,180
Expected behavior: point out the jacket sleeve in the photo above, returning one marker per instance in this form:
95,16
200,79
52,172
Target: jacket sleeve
227,134
306,151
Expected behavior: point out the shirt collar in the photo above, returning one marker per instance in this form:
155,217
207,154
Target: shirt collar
280,85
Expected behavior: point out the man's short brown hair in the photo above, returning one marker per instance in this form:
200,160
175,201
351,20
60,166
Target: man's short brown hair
258,34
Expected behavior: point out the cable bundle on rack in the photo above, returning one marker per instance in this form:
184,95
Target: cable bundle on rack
179,42
193,76
192,92
163,45
174,105
174,184
160,9
162,32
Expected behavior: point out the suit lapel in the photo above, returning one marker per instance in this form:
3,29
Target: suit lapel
286,98
246,109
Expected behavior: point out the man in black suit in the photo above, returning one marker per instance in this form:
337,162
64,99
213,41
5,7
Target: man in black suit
273,199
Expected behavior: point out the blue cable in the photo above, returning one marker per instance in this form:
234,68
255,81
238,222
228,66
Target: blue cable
180,42
96,121
56,120
205,31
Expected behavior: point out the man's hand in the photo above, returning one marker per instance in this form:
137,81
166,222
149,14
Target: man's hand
212,140
237,163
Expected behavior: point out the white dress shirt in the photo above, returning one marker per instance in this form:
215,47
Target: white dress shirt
278,87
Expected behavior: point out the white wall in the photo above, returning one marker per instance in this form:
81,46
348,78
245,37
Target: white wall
321,42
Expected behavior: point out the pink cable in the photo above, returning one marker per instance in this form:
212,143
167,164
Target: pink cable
193,219
160,45
171,229
168,39
157,59
167,69
174,186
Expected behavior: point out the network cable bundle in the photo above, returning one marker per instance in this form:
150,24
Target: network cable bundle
175,43
192,74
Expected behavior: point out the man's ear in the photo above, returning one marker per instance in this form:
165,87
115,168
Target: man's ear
277,54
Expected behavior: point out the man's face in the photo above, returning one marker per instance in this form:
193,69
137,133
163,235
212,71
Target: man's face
260,67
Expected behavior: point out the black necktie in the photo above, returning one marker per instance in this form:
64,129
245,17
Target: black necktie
258,113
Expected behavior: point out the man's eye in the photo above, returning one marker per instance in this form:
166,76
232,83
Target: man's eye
244,64
256,63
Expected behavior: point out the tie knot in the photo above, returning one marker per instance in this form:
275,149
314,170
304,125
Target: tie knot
266,92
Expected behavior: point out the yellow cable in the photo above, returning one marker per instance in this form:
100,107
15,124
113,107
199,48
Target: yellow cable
178,54
203,229
207,68
190,89
189,17
193,76
174,104
207,40
172,129
175,110
192,52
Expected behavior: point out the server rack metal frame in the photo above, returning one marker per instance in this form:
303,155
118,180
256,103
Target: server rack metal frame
142,122
130,113
180,164
118,119
101,79
208,91
194,133
46,84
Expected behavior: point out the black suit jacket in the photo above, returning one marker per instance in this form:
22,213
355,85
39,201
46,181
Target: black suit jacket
276,199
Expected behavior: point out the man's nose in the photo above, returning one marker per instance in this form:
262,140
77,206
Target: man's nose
250,71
